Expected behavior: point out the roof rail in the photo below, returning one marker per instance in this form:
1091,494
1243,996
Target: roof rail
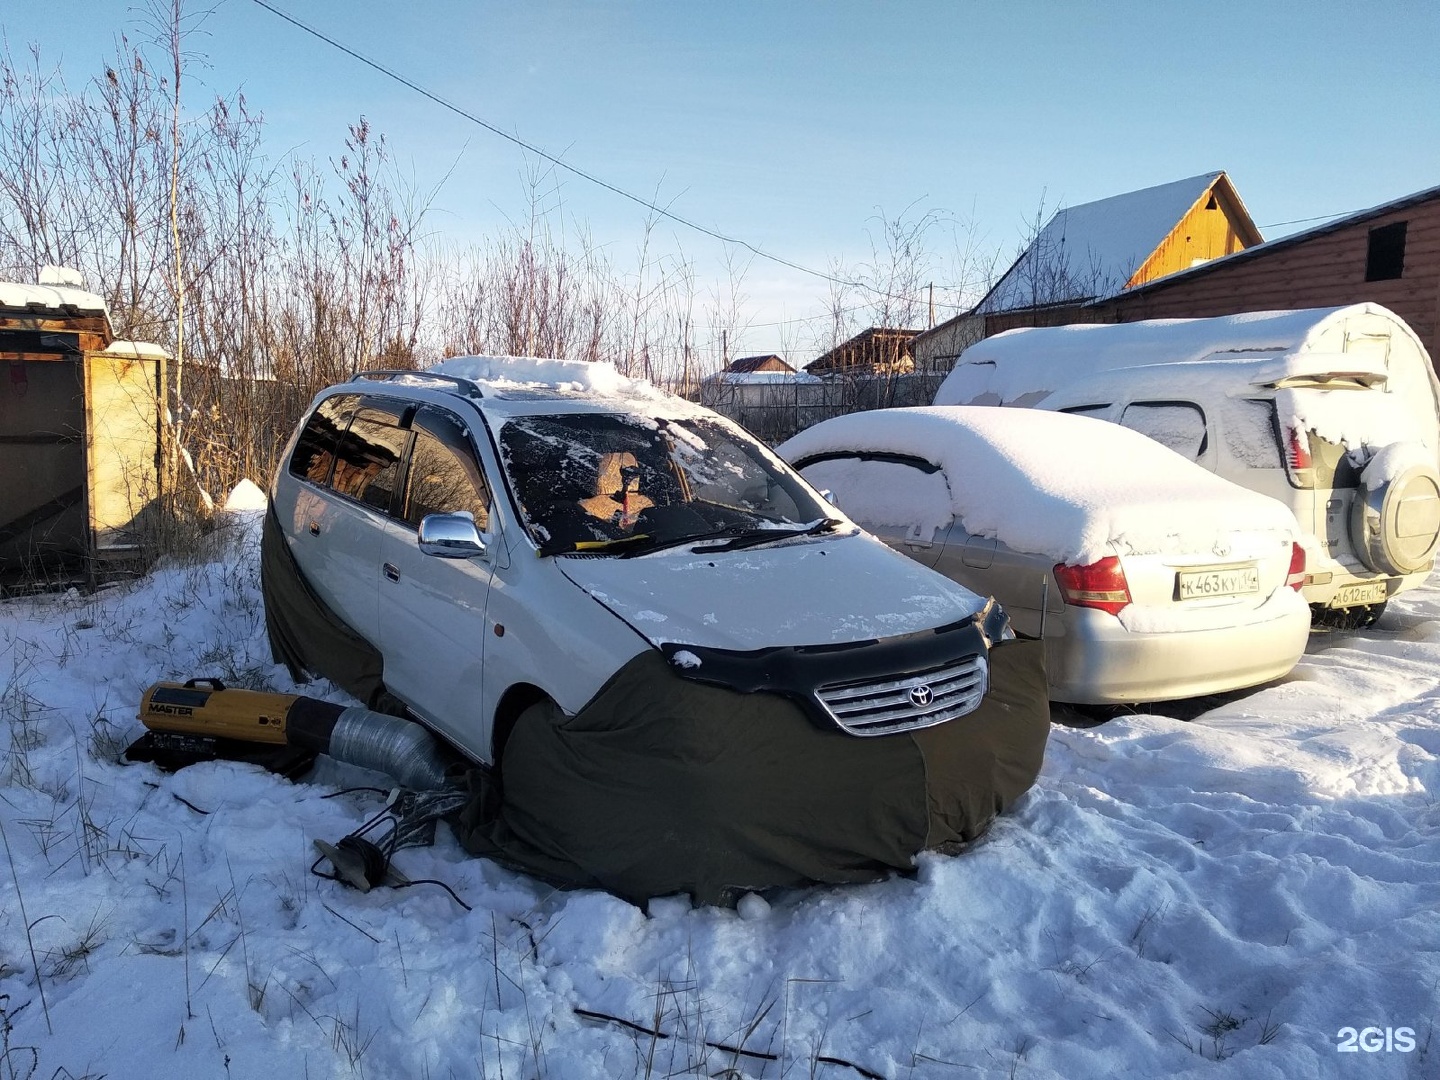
465,386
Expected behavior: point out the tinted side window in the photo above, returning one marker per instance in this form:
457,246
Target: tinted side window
1176,424
367,461
444,476
315,449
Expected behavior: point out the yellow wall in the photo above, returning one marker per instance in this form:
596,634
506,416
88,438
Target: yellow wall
1202,234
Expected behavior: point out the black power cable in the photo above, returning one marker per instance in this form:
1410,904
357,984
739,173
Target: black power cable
369,861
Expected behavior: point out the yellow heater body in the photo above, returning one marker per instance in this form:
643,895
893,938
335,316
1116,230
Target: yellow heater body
201,708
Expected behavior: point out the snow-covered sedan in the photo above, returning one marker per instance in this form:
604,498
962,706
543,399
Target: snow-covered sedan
1149,577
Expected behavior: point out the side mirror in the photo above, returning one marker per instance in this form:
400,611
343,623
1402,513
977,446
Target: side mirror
994,623
829,497
451,536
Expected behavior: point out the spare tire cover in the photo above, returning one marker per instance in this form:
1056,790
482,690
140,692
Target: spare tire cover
1396,526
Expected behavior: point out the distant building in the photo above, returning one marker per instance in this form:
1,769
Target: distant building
765,395
879,350
747,364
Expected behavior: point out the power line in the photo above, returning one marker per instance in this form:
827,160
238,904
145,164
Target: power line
581,173
1303,220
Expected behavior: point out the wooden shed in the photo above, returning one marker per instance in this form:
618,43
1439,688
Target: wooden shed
80,439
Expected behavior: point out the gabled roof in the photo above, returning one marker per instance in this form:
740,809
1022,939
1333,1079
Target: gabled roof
1095,249
770,362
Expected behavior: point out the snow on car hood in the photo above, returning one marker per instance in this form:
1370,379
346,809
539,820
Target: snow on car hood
796,592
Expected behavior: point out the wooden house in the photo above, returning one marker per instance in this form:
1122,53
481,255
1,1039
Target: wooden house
80,438
1099,248
880,350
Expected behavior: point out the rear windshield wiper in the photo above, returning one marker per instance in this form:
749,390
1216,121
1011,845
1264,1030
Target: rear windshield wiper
755,537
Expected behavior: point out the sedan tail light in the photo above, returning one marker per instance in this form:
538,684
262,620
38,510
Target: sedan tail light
1097,585
1296,577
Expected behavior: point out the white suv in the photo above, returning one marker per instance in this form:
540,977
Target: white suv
1333,411
501,543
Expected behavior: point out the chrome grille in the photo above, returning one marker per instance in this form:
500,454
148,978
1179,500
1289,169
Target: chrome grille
885,707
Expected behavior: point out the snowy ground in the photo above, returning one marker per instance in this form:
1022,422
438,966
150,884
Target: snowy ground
1209,898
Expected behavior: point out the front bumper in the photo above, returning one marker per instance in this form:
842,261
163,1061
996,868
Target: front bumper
662,785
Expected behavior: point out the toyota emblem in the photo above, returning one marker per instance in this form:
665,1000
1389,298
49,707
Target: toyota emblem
920,696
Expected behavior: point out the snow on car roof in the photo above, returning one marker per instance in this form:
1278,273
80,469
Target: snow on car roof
1067,487
1033,360
516,385
1059,367
501,375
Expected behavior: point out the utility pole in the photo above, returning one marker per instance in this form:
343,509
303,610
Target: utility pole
724,349
932,305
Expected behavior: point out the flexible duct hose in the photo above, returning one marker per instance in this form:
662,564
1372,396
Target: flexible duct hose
399,748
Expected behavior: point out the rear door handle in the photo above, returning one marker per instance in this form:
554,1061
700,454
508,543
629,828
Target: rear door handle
392,571
314,528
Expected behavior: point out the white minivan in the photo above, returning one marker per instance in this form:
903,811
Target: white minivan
674,620
1333,411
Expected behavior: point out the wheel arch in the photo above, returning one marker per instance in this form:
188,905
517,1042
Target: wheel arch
513,702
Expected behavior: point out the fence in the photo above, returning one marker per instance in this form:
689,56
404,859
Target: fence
776,410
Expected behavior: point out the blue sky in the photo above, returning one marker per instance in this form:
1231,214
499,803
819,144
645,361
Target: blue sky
793,125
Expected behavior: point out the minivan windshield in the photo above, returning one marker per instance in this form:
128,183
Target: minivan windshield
631,484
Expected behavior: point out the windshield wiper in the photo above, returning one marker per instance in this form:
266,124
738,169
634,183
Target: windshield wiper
656,543
731,538
755,537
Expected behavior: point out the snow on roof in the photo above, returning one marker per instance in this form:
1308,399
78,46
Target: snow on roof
137,350
1032,362
1067,487
1093,249
14,294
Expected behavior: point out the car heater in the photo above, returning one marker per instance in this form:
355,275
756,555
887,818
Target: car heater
204,720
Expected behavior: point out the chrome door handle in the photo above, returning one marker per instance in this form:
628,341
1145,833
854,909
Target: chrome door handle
392,571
